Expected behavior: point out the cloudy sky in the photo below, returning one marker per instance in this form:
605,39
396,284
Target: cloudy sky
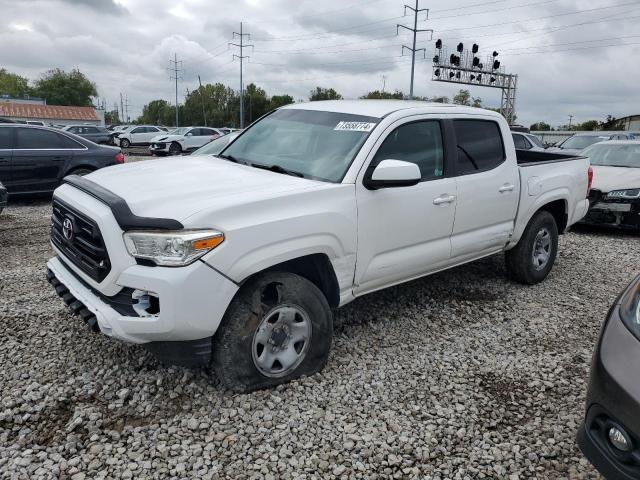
572,57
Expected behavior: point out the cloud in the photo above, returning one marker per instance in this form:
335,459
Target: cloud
125,46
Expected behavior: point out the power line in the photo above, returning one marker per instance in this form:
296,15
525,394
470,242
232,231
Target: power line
241,57
415,31
532,4
177,70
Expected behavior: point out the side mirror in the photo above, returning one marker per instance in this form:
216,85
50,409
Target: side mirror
189,134
392,173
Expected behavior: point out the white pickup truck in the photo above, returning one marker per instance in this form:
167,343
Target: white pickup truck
240,260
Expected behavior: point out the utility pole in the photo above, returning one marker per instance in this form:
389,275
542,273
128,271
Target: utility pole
415,31
204,115
384,82
126,107
122,109
176,71
242,46
570,119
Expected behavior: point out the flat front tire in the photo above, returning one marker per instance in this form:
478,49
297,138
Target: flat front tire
279,327
531,260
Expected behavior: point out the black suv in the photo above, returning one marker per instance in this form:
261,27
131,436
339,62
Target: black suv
90,132
36,159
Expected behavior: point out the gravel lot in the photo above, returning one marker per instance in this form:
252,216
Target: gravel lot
459,375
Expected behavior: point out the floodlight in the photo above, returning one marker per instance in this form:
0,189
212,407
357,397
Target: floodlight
472,77
475,47
495,54
451,74
436,59
437,72
492,79
476,61
460,47
496,64
438,44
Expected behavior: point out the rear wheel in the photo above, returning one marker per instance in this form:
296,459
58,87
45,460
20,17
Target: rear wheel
124,143
531,260
278,328
175,149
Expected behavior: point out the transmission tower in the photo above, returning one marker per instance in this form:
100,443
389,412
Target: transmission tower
175,67
241,57
415,31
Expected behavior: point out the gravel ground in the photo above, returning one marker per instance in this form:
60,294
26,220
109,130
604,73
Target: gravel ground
461,375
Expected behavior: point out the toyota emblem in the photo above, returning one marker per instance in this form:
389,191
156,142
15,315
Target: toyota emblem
67,229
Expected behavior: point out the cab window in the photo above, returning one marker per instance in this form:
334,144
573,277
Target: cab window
479,144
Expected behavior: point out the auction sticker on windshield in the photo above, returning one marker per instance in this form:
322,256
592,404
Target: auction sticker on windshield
355,126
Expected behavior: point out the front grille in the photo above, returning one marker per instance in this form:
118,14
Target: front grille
84,246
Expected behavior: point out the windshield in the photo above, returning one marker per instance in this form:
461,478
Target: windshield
317,144
214,147
582,141
179,131
535,140
607,155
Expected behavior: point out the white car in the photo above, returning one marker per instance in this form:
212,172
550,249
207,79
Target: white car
527,141
240,260
138,135
615,197
184,139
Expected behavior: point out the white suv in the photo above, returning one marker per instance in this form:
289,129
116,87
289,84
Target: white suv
138,135
183,139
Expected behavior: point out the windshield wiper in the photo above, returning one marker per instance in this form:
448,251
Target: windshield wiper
278,169
231,158
475,165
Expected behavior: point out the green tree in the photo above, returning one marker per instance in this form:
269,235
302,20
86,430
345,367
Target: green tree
588,126
324,94
463,97
280,100
376,94
13,84
610,123
112,117
62,88
540,127
154,112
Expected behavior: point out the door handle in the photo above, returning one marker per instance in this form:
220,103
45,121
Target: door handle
507,187
444,199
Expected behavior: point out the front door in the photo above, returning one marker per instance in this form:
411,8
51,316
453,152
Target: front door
39,158
405,232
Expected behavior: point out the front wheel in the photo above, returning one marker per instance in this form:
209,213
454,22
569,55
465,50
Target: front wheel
175,149
531,260
124,143
278,327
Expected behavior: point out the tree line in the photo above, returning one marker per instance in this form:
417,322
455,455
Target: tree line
608,124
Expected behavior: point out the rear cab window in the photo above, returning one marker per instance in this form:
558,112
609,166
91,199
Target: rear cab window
479,146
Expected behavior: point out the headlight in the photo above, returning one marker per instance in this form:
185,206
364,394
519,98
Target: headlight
172,249
630,308
630,193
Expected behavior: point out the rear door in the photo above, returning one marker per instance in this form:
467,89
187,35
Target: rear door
6,148
39,159
488,186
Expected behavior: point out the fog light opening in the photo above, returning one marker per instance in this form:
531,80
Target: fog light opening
146,304
619,439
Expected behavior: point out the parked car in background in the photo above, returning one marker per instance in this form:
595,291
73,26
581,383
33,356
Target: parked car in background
6,120
36,159
610,434
527,141
3,197
137,135
227,130
214,147
184,139
615,196
94,133
575,144
240,260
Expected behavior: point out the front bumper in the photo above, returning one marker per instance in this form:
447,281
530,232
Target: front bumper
159,147
192,301
617,213
613,399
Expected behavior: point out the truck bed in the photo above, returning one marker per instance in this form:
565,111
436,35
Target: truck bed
527,157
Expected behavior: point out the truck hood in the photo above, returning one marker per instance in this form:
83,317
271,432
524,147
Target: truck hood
166,138
179,187
607,179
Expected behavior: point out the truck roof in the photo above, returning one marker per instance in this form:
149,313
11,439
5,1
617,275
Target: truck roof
382,108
